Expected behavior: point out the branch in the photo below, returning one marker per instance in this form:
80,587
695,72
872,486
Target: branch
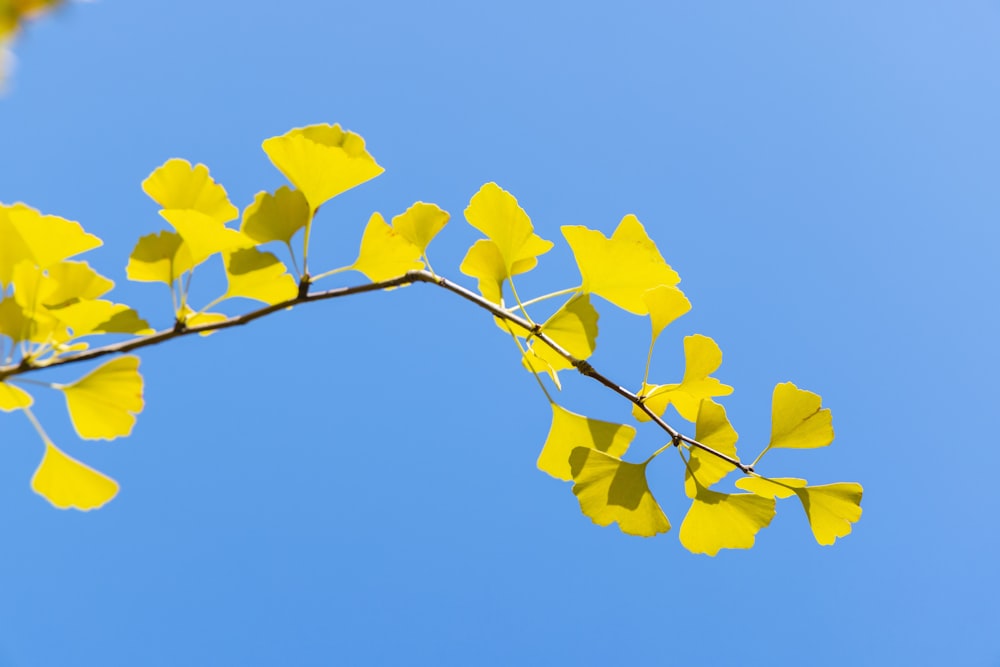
410,277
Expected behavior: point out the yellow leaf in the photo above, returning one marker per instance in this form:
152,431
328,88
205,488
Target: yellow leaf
67,483
724,521
777,487
13,398
797,421
178,185
620,269
103,403
666,303
420,223
713,430
574,328
192,319
537,365
831,509
69,282
203,235
322,161
484,261
100,316
496,213
276,217
253,274
385,253
702,358
159,258
611,490
13,322
570,430
41,239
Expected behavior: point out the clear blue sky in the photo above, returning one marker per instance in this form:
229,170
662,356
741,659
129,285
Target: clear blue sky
354,482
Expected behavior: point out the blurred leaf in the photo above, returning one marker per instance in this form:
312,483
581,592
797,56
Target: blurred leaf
67,483
570,430
159,258
13,398
322,161
103,403
620,269
40,239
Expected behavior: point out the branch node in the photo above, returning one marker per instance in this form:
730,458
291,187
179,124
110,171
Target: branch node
304,284
180,326
584,367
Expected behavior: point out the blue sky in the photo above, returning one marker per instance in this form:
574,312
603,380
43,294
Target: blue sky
354,482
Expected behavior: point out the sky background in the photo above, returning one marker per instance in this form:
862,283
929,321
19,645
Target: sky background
354,482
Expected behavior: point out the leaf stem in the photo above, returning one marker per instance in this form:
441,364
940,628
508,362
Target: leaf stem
539,299
327,274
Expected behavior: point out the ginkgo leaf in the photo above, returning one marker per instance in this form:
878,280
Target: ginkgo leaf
276,217
103,403
665,303
253,274
68,282
702,358
797,420
193,319
13,398
777,487
203,235
385,253
537,365
484,262
420,223
13,322
574,328
570,430
713,430
496,213
41,239
159,258
67,483
176,184
100,316
620,269
831,509
724,521
612,490
322,161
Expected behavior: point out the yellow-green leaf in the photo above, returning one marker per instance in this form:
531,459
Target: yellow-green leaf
484,262
103,403
41,239
276,217
622,268
797,420
831,509
611,490
777,487
159,258
203,235
420,223
322,161
385,253
724,521
574,328
713,430
570,430
665,303
702,358
253,274
13,398
496,213
67,483
178,185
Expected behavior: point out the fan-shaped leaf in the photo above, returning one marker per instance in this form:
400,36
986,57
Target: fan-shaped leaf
41,239
13,398
574,328
203,235
797,421
496,213
570,430
67,483
666,303
103,403
253,274
159,258
176,184
100,316
385,253
713,430
831,509
484,262
620,269
276,217
322,161
724,521
420,223
702,358
611,490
